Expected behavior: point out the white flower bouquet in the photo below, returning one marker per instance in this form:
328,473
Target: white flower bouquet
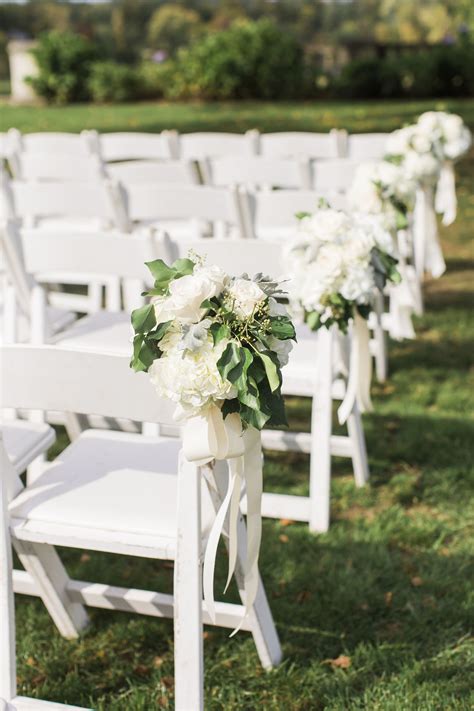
449,135
382,188
210,339
336,261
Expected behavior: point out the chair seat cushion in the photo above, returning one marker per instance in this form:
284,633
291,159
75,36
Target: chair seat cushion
111,481
24,441
103,331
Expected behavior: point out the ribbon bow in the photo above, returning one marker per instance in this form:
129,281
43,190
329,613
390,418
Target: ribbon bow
207,437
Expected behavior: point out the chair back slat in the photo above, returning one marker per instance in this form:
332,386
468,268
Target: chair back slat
299,143
41,165
135,146
66,380
334,175
201,145
152,171
258,172
55,143
367,146
278,209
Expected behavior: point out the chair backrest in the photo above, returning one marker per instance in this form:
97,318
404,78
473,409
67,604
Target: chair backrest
367,146
65,380
35,165
196,146
306,144
182,172
259,172
233,256
334,175
32,201
131,145
147,202
104,253
54,143
276,210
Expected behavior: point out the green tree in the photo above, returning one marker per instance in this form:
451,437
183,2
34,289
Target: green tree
172,27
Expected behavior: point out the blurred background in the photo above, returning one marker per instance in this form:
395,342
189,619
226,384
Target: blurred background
128,50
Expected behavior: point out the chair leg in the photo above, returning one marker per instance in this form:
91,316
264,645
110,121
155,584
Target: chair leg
321,428
7,605
45,567
263,626
188,630
359,452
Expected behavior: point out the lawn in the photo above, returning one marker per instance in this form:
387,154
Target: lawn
389,587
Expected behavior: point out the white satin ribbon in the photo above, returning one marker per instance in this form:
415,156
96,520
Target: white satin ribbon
427,249
404,300
208,437
360,371
445,200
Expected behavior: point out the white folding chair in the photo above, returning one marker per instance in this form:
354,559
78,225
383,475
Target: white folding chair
334,175
311,372
305,144
182,210
54,143
255,172
29,165
366,146
119,493
272,214
9,447
200,145
181,172
133,145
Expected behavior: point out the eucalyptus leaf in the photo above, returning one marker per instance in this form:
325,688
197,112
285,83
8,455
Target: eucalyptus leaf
143,319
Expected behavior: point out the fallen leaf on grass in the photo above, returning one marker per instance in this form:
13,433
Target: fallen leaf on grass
141,670
303,596
416,581
388,598
286,522
158,661
283,538
85,558
341,662
168,682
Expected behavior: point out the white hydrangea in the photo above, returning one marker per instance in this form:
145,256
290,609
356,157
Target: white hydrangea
449,134
191,379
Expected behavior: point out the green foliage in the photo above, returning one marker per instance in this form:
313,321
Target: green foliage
112,82
172,27
248,60
64,61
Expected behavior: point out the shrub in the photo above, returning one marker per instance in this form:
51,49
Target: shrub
109,81
152,80
247,61
172,27
64,60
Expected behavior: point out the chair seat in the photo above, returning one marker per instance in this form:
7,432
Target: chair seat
57,318
102,331
24,441
114,488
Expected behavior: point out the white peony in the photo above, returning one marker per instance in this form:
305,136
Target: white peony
191,379
423,167
246,295
326,225
186,295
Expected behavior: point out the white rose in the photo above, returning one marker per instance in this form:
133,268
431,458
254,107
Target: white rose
186,295
215,274
246,295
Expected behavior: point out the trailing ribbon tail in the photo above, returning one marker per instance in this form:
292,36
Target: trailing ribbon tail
427,249
208,437
360,371
445,200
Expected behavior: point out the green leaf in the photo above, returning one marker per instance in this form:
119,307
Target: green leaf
313,319
219,331
282,327
143,319
272,369
143,354
250,396
160,271
159,332
229,359
302,215
254,418
238,375
183,267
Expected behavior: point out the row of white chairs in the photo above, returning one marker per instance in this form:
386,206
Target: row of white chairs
197,146
255,172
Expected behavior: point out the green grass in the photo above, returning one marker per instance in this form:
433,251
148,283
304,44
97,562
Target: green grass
228,116
390,585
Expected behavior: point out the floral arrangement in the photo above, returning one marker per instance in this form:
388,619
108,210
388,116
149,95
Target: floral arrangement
383,189
336,260
210,339
424,146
